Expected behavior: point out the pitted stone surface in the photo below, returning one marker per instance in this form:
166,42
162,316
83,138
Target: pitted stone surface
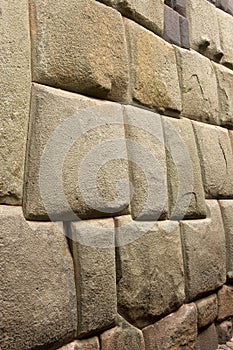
225,302
87,344
207,310
224,330
225,22
227,211
208,339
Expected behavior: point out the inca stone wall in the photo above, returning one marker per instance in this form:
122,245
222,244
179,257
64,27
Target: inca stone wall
116,174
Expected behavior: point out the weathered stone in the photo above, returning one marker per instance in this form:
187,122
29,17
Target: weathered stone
208,339
225,22
124,336
38,301
180,7
87,344
86,135
196,76
215,153
184,33
204,30
155,84
176,331
171,26
227,210
94,261
184,174
91,61
207,310
204,252
14,97
147,163
148,285
225,302
224,330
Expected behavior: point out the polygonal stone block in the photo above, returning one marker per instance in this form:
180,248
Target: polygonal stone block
207,310
171,26
225,302
208,339
225,22
226,207
224,330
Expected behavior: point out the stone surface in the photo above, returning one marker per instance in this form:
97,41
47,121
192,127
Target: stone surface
224,330
186,194
94,261
180,7
124,336
38,298
225,5
227,210
91,165
204,253
225,22
196,76
208,339
225,302
171,26
147,163
91,61
176,331
14,97
149,271
207,310
153,70
87,344
215,153
184,33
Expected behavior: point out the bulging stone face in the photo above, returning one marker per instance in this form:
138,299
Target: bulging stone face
91,61
225,22
207,310
227,210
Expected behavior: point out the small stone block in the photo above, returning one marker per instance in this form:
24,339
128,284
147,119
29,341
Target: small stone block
225,302
171,26
184,33
87,344
207,310
208,339
180,7
224,330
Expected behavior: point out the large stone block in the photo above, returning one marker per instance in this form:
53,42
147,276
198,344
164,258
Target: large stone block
225,302
200,102
208,339
149,271
204,253
91,61
87,344
207,310
186,194
227,215
225,22
153,70
14,97
147,163
75,159
176,331
215,153
38,298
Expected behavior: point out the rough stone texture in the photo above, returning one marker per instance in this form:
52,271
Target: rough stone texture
149,271
227,210
147,163
90,140
124,336
215,153
204,252
196,76
14,97
225,22
207,310
38,302
171,26
225,5
184,33
153,70
176,331
186,194
225,302
87,344
208,339
224,330
204,30
94,261
91,61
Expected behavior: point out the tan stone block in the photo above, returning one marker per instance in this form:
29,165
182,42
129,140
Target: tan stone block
215,153
200,102
224,330
76,145
225,22
207,310
176,331
38,297
227,211
149,270
95,273
14,97
225,302
91,61
87,344
147,163
186,194
204,252
208,339
153,70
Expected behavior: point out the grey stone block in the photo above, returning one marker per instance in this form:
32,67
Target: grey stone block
180,7
171,26
207,310
208,339
184,33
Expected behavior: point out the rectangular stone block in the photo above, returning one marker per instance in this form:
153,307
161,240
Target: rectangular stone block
148,284
93,247
180,7
38,298
208,339
196,76
14,97
207,310
204,253
184,33
186,194
227,211
225,22
76,159
225,303
215,153
91,61
153,70
171,26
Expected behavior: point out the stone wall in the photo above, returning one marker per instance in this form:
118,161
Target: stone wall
116,174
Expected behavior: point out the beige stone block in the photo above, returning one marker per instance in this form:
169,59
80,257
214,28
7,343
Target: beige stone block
208,339
153,70
215,153
225,302
207,310
14,97
204,252
92,61
225,22
226,207
95,274
176,331
200,102
186,194
87,344
150,279
76,159
38,297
